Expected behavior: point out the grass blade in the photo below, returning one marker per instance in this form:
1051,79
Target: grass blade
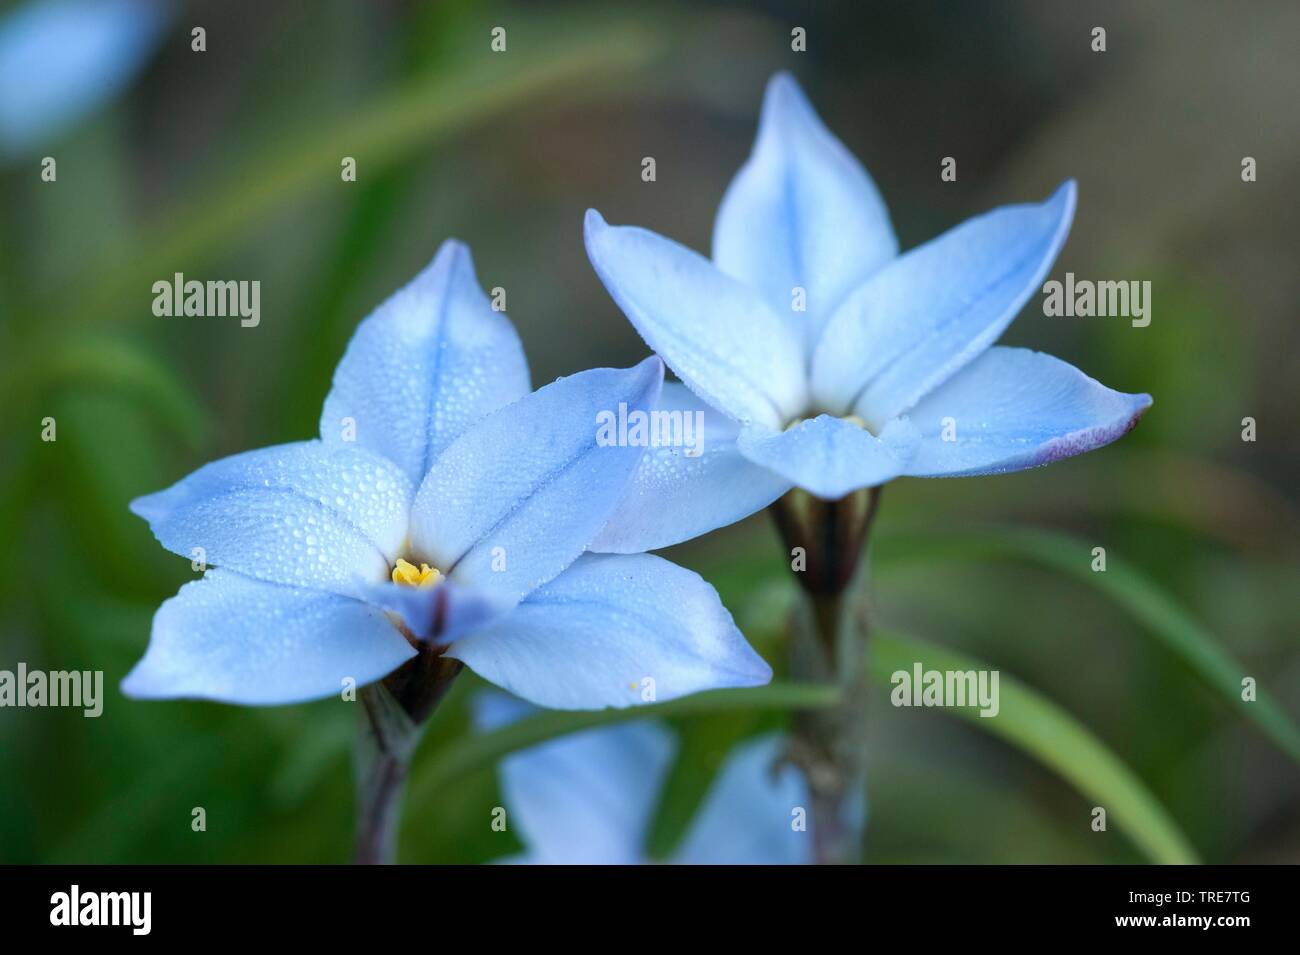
1043,730
1148,603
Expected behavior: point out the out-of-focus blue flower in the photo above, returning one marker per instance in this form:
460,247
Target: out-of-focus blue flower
834,363
60,58
442,502
588,797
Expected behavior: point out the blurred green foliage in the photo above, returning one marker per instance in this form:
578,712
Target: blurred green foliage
227,164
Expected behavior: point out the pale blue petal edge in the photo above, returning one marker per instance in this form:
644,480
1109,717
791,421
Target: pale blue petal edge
233,639
801,213
757,812
614,630
830,457
1012,409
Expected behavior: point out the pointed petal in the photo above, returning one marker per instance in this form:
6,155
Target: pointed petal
237,640
680,491
518,497
831,457
299,514
801,212
916,322
586,798
718,335
1013,408
593,636
424,365
749,815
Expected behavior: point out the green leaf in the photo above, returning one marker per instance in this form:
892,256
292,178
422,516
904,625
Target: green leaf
119,365
1146,601
480,751
1034,724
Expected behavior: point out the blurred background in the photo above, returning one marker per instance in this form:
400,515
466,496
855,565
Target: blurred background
225,164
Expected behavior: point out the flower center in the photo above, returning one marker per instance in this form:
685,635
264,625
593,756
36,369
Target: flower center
409,575
851,419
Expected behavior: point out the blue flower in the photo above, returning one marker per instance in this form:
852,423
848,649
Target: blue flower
442,503
60,58
833,362
588,798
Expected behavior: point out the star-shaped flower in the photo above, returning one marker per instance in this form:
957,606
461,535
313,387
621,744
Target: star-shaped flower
825,360
442,505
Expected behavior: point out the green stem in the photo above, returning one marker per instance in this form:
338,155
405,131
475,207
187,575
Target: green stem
395,711
828,644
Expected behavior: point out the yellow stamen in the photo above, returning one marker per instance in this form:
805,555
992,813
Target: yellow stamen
406,573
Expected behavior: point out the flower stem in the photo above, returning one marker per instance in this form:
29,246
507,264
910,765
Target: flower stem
828,634
395,710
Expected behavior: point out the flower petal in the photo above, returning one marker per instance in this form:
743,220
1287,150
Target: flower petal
801,212
59,59
921,318
831,457
749,814
720,336
230,638
680,491
586,798
300,514
518,497
1013,408
424,365
595,635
